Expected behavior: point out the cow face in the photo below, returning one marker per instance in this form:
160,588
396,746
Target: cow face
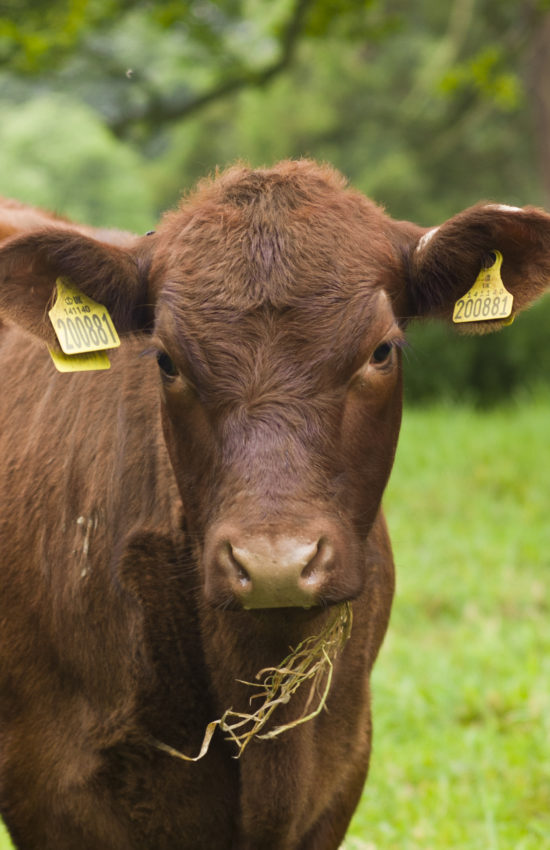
281,460
278,351
277,302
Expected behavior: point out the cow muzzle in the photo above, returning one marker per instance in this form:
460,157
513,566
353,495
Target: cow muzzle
268,570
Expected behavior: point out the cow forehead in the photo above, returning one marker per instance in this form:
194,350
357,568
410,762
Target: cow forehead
273,239
288,263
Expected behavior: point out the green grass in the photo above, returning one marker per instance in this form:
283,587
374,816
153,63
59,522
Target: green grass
461,755
5,843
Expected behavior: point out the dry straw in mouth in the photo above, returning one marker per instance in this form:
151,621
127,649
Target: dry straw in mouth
311,661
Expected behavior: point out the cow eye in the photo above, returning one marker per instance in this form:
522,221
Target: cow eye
382,353
166,365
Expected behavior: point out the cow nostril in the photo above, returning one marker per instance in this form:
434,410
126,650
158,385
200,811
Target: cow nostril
319,564
280,571
241,572
233,566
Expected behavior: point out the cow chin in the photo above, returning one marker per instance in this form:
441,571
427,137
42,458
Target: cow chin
311,568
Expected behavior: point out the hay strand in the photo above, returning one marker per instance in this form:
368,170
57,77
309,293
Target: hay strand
311,661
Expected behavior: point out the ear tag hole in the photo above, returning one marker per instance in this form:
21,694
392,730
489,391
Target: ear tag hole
488,299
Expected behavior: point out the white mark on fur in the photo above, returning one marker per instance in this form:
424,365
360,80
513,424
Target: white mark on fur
503,208
423,241
87,526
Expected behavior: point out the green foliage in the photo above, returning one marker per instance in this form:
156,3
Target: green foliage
350,17
441,364
34,36
104,185
141,64
5,843
425,119
484,73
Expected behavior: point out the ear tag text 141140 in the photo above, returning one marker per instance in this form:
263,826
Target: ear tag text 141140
83,328
488,299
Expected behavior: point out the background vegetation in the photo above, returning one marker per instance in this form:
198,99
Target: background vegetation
112,108
461,755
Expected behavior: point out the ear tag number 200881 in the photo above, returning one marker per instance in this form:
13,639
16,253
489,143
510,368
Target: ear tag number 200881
488,299
83,328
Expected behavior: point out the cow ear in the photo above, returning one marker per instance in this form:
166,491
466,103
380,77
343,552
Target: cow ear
112,275
444,262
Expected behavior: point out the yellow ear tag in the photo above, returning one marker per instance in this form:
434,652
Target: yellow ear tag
92,362
488,299
84,329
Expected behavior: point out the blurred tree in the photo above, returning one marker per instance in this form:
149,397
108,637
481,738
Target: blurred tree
426,110
145,65
97,186
408,101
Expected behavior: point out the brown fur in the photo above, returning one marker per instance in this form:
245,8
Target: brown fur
270,291
16,218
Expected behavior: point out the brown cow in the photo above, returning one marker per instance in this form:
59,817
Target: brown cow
170,528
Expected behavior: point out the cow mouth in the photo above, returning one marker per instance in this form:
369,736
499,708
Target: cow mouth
308,611
281,602
310,662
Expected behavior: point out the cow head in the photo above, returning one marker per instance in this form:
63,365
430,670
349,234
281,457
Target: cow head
276,302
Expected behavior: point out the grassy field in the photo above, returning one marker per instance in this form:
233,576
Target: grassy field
461,753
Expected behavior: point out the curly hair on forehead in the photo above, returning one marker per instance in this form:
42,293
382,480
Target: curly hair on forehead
250,237
293,181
